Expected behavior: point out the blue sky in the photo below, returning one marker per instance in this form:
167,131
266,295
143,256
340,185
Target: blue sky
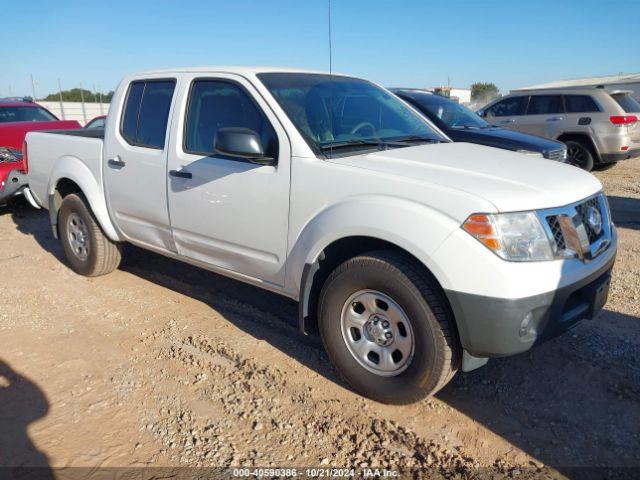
403,43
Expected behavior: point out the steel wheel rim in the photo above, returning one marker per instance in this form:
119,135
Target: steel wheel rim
377,333
78,236
576,155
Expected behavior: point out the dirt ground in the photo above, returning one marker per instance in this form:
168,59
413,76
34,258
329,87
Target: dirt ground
163,364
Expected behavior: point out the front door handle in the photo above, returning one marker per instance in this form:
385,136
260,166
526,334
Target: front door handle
504,122
180,174
554,119
116,162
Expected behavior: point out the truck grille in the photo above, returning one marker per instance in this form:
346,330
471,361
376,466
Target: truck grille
556,231
583,212
558,155
574,229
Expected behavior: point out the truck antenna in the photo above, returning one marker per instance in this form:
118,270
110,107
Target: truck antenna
330,90
330,43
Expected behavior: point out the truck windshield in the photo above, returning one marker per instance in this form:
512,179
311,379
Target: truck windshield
342,115
25,114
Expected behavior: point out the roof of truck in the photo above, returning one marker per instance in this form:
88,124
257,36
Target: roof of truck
242,70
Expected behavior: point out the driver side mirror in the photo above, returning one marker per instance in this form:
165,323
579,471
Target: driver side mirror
241,143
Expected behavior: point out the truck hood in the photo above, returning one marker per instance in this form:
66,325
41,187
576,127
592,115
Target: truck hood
510,181
12,133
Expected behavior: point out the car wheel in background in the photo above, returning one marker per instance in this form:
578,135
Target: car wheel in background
387,329
88,250
579,155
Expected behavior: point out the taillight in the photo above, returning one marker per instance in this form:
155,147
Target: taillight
623,119
25,158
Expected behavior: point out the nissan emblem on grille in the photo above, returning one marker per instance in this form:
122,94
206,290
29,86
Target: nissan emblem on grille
581,230
594,219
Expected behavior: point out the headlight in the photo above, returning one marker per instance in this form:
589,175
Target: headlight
530,152
517,237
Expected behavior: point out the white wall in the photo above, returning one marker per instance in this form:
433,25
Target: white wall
73,110
463,94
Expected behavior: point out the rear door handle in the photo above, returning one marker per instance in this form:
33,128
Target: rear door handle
554,119
116,162
180,174
504,122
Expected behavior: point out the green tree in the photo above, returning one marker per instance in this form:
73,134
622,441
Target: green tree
76,95
484,92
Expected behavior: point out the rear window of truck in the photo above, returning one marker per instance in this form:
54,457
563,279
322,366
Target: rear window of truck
146,113
627,102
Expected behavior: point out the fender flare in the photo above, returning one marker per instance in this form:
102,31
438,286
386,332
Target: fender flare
378,217
586,135
72,168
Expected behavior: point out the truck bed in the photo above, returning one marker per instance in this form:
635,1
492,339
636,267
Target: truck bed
77,153
80,132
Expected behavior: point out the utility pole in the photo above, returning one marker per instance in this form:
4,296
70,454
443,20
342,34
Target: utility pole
60,96
97,96
33,87
84,111
10,91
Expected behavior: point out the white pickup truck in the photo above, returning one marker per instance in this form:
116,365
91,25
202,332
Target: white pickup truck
411,256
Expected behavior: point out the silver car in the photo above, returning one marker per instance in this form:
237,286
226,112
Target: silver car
599,127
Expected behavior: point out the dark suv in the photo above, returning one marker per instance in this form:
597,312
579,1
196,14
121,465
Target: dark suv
462,125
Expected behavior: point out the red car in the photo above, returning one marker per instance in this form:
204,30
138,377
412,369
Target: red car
17,117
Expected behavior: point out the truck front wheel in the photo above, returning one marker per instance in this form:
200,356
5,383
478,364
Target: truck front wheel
386,328
87,248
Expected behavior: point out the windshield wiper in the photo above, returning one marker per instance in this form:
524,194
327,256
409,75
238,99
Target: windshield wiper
380,144
351,143
411,139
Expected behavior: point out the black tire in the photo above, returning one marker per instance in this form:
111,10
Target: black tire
436,354
101,255
580,155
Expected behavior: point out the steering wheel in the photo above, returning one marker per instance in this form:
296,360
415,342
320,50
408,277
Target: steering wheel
363,125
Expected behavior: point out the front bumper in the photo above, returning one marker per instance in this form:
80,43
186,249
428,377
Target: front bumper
497,327
15,182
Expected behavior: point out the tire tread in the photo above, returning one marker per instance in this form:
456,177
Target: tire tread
401,266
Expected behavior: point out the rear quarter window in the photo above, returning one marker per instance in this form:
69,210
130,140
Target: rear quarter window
627,102
580,104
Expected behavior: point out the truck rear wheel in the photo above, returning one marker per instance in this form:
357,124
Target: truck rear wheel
387,329
87,248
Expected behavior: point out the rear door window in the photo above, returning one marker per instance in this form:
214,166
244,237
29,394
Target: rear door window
545,104
508,107
146,113
580,104
627,102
